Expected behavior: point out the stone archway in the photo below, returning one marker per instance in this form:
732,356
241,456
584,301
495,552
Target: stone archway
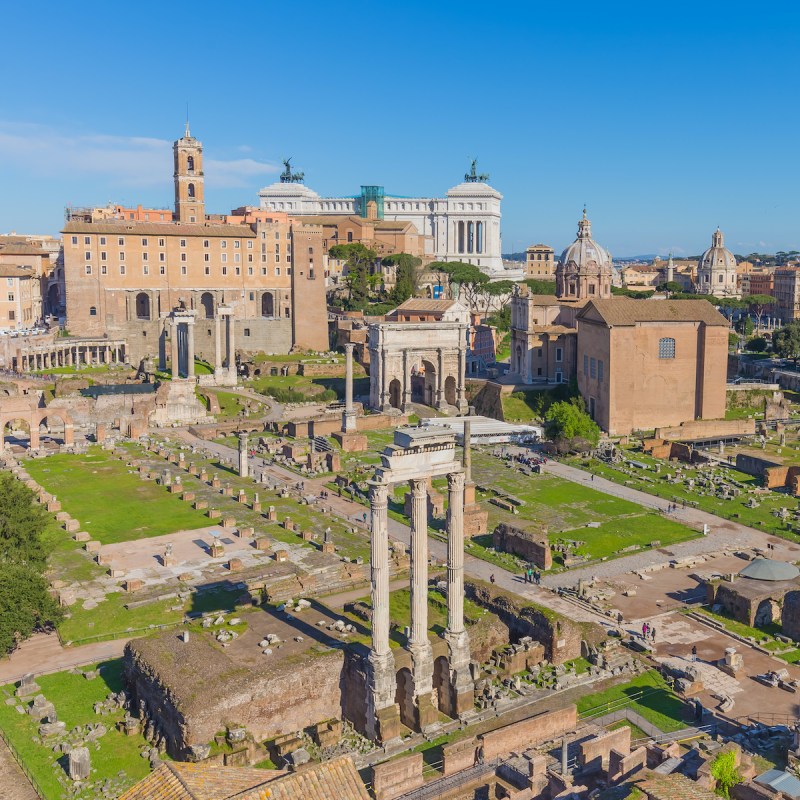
768,611
14,425
404,697
442,687
142,305
395,393
429,386
267,305
450,390
207,304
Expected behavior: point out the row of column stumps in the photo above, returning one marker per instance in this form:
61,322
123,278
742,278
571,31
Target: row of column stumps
69,355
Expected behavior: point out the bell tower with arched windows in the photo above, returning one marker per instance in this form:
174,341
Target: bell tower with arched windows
189,196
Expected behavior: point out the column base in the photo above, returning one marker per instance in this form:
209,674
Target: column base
383,716
427,714
463,687
388,727
349,422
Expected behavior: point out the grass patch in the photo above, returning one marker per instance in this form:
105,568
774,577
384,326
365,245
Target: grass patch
73,697
646,694
112,503
636,731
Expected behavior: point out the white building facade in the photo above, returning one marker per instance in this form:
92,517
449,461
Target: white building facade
462,226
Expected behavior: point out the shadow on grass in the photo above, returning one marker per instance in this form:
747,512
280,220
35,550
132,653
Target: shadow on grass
660,701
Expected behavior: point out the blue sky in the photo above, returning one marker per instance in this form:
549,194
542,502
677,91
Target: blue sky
666,119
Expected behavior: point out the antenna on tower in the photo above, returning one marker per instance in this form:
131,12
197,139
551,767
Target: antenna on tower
187,120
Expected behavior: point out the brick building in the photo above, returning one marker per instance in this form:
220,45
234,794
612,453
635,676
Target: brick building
787,293
123,276
643,364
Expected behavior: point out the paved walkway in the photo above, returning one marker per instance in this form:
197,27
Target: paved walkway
43,653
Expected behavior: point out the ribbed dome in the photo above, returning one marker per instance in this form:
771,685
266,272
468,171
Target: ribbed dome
767,569
717,256
584,255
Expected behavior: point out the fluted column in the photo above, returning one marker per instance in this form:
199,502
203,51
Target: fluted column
379,558
455,552
382,722
217,346
232,346
175,371
419,565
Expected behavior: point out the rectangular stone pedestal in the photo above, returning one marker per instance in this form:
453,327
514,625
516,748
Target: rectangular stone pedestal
351,442
388,725
476,520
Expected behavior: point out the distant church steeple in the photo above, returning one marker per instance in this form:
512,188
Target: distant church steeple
189,190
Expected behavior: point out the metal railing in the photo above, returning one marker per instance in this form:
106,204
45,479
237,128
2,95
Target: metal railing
21,764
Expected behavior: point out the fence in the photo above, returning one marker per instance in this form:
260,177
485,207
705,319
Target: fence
21,764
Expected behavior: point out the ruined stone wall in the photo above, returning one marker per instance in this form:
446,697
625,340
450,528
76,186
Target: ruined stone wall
532,546
562,638
167,680
790,615
708,429
530,732
593,754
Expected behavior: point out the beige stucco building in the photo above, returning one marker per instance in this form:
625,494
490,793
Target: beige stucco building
20,297
123,277
644,364
540,262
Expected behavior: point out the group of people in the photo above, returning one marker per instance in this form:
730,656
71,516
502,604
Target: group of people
533,576
648,632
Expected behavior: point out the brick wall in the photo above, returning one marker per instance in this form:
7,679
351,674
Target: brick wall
530,732
533,546
593,753
397,777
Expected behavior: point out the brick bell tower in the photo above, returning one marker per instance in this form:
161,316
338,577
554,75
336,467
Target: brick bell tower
189,192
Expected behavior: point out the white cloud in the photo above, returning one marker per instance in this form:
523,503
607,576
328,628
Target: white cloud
127,160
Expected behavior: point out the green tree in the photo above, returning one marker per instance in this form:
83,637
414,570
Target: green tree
725,772
25,605
670,287
758,344
567,421
491,296
758,304
406,276
359,279
22,524
538,286
786,341
745,326
469,279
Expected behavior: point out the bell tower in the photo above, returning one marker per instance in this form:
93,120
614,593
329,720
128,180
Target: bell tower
189,195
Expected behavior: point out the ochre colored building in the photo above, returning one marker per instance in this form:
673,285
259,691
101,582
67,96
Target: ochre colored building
644,364
123,277
540,262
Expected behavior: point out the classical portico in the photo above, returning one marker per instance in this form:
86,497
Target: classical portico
416,456
182,323
422,362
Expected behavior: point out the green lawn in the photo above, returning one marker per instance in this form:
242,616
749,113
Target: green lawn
231,405
564,509
648,480
763,636
73,697
647,694
112,503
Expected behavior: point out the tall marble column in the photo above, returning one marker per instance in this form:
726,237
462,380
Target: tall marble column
349,420
175,370
190,348
244,464
419,645
467,450
383,721
233,375
456,634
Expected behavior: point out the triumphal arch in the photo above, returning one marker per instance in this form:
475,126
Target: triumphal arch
417,456
418,359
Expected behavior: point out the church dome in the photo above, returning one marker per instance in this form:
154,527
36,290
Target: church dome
717,256
584,255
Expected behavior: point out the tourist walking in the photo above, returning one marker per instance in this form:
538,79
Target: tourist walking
491,578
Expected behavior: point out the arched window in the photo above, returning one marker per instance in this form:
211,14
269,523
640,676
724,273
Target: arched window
92,312
191,190
142,306
207,302
190,163
267,305
666,347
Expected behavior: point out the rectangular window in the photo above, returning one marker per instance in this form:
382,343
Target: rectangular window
250,245
162,256
87,254
122,256
87,239
592,367
183,256
121,269
144,242
277,235
223,244
11,297
12,315
224,258
559,353
237,257
249,258
224,270
238,270
183,270
277,270
103,241
9,281
145,269
183,242
586,365
103,255
252,295
263,270
145,257
205,243
88,269
206,257
162,270
236,243
161,242
249,270
599,371
666,347
74,240
277,258
103,269
121,241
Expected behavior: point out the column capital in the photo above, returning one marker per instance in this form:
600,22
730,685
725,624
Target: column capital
456,481
419,487
350,346
379,494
